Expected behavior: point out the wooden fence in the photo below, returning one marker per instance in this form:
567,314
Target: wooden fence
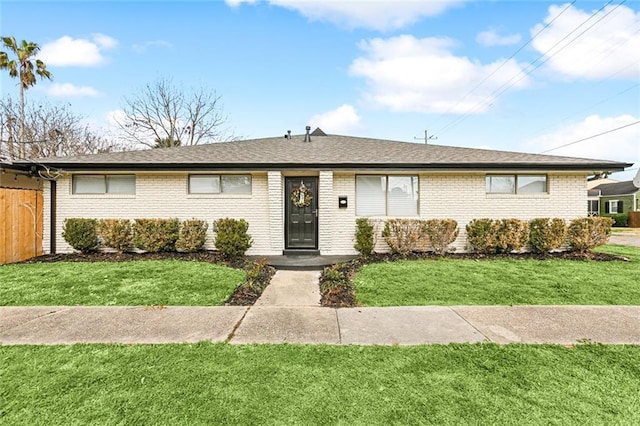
20,224
634,220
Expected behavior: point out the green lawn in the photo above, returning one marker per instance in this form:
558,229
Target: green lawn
449,281
285,384
162,282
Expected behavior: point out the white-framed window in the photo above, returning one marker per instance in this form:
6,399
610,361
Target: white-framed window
613,206
593,207
516,184
219,184
104,184
386,195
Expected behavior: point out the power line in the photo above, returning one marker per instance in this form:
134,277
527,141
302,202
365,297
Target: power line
593,136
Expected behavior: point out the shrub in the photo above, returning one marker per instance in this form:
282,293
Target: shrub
512,234
404,235
440,233
193,235
482,235
586,233
116,233
364,236
232,239
620,219
81,234
156,235
546,234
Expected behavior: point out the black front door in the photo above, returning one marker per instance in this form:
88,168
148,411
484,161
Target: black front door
301,212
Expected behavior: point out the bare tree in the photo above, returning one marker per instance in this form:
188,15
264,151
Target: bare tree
163,112
49,130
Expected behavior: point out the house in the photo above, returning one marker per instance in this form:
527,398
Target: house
617,197
302,193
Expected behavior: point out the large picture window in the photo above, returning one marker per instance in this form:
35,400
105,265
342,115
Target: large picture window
516,184
386,195
220,184
104,184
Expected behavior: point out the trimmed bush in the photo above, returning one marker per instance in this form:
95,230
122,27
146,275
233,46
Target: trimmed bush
440,233
404,235
193,235
546,234
232,239
116,233
156,235
586,233
364,236
512,235
81,233
482,235
620,219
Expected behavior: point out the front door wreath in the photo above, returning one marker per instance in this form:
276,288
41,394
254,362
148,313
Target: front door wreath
301,196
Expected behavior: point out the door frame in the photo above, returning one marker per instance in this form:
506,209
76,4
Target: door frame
287,208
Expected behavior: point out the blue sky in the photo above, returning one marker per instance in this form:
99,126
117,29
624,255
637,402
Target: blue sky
510,75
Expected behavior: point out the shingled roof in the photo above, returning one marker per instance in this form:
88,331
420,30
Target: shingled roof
326,152
617,188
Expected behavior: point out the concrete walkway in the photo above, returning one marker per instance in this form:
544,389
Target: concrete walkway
289,312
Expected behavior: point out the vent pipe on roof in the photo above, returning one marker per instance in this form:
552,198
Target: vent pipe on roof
288,134
307,136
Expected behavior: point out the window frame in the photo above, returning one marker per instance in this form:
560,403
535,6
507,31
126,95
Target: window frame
516,184
105,183
221,186
610,203
387,179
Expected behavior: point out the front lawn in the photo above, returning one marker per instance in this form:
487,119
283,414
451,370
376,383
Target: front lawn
504,281
285,384
153,282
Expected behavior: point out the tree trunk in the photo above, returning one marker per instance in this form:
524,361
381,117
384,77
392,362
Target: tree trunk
21,149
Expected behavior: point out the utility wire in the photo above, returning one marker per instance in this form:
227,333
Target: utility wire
593,136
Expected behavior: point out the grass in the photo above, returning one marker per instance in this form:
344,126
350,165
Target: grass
502,281
153,282
284,384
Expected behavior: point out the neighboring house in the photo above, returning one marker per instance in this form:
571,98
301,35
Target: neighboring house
618,197
304,192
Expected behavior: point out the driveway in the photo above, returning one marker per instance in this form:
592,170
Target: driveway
629,237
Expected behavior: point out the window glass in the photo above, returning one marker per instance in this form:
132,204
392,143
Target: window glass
204,184
613,206
236,184
503,184
121,184
89,184
531,184
402,197
371,195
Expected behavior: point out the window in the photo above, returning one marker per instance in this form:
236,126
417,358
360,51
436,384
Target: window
516,184
594,207
217,184
386,196
613,206
104,184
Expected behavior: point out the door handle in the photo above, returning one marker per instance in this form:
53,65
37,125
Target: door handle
315,212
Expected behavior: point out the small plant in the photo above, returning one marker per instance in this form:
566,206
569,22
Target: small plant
156,235
512,235
482,235
404,235
81,233
620,219
546,234
232,239
193,235
586,233
364,236
440,233
116,233
336,288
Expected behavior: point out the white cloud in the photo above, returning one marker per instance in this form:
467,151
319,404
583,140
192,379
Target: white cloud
422,75
621,145
69,90
341,120
115,116
376,14
610,47
67,51
493,38
142,48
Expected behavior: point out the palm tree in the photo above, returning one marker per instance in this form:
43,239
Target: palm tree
167,142
23,67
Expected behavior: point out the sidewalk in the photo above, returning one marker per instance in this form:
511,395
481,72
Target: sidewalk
289,312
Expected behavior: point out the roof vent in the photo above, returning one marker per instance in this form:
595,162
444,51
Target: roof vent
288,134
318,132
307,136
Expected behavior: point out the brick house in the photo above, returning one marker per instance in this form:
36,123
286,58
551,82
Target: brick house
304,192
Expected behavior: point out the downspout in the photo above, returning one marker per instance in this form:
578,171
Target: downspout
52,213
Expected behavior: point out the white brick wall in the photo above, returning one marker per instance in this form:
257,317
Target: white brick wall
458,196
